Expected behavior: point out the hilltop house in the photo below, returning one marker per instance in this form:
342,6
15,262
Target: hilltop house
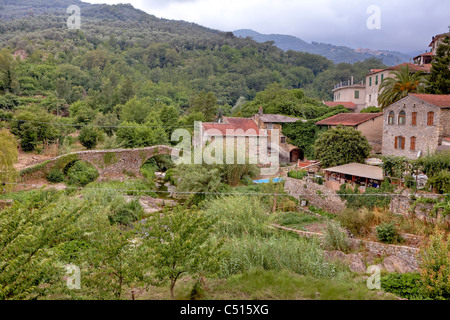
417,124
365,94
369,124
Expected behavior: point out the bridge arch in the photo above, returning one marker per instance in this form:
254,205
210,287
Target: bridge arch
109,163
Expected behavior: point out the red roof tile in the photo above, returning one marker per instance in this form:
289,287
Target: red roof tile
439,100
349,119
233,124
412,67
348,105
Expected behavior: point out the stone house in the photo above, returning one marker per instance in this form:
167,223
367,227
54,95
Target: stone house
416,125
288,152
369,124
261,126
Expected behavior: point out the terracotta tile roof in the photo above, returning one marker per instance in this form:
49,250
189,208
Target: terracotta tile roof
349,119
413,67
439,100
233,124
442,35
426,54
348,105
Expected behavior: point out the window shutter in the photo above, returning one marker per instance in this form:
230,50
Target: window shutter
403,142
414,118
396,143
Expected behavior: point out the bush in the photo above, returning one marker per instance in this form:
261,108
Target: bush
298,174
356,221
388,233
89,137
126,212
406,285
435,266
440,181
81,173
335,239
55,176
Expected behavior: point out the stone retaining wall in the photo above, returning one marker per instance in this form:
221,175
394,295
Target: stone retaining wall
317,195
408,254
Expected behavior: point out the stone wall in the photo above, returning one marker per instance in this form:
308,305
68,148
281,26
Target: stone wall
115,163
427,137
316,195
408,254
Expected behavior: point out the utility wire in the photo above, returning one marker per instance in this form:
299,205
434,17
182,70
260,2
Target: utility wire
232,193
96,126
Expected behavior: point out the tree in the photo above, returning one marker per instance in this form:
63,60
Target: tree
180,244
8,156
439,82
89,137
205,102
8,78
395,88
435,266
341,145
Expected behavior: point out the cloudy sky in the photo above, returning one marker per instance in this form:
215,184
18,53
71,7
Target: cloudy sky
405,25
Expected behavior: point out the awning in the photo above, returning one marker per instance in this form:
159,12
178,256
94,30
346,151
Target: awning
359,170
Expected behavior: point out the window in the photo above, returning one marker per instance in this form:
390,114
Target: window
402,117
414,119
356,94
399,143
370,98
376,80
270,126
430,118
413,143
283,139
391,118
370,81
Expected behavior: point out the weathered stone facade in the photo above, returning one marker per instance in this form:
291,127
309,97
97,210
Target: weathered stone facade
114,163
317,195
427,137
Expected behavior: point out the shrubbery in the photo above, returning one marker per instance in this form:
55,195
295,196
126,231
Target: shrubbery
55,176
335,239
298,174
81,173
126,212
388,233
406,285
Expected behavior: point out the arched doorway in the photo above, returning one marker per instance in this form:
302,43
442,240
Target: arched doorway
295,155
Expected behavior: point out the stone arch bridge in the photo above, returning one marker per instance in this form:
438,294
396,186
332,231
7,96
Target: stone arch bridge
109,163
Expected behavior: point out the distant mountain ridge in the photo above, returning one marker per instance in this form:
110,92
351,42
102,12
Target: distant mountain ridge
335,53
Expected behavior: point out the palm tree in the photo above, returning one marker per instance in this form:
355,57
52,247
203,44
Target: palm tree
395,88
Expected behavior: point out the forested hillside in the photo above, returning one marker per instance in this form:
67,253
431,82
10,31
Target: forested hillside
127,67
335,53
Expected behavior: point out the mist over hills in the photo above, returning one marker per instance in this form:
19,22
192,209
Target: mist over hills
335,53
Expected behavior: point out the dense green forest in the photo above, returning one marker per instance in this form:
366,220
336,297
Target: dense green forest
127,67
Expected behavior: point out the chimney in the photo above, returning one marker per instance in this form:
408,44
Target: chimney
352,80
260,112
